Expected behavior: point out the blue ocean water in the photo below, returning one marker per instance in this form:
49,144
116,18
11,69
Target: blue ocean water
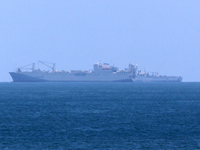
99,116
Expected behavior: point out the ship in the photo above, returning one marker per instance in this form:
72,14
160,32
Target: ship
154,77
100,73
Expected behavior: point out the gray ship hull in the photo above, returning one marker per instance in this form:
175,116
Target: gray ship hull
19,77
69,77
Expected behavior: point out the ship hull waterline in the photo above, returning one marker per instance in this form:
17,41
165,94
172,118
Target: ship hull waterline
22,77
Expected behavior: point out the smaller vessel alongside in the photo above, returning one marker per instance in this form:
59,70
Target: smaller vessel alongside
155,77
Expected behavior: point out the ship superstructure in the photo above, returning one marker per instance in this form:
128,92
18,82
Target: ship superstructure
100,73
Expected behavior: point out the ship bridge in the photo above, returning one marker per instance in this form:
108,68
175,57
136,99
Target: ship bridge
104,68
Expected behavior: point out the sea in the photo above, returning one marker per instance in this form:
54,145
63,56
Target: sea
98,115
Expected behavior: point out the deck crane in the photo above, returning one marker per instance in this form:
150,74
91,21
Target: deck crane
25,67
45,63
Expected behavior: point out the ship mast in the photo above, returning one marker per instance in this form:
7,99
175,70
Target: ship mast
33,67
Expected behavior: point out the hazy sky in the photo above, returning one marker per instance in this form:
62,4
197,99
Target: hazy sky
158,35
